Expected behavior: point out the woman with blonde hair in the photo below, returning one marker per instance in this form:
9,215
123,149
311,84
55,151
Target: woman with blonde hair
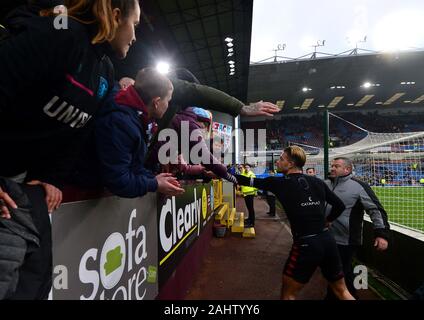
53,79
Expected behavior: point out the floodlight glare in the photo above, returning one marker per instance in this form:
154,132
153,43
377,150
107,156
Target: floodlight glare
163,67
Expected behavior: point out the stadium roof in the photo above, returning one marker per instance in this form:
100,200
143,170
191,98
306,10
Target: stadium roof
192,34
359,82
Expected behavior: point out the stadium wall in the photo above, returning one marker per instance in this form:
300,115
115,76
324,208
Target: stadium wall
106,247
403,261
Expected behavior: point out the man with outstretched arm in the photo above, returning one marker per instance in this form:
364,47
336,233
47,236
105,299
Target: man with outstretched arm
303,198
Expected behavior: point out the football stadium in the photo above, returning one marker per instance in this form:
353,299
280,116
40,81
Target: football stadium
149,154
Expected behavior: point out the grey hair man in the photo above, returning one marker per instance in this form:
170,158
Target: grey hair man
347,228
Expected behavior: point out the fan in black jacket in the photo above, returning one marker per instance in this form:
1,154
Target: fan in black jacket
52,82
304,198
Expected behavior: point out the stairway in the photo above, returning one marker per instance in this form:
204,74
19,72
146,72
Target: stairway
233,220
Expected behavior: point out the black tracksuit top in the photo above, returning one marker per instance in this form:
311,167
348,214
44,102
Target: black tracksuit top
303,198
52,81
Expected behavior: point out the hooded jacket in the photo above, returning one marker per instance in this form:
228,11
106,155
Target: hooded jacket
122,133
188,94
357,197
192,117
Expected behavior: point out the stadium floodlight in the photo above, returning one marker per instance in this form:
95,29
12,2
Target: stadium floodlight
231,62
306,89
228,39
163,67
230,44
230,49
230,54
367,85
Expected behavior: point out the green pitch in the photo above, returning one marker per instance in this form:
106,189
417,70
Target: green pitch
404,205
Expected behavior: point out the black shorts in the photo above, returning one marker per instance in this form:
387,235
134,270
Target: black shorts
309,253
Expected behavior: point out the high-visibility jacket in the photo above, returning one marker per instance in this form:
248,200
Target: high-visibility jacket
248,191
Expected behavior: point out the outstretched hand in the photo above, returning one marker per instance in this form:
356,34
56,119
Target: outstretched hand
260,108
168,184
5,201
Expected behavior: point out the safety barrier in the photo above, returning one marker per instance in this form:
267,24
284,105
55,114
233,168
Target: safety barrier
143,248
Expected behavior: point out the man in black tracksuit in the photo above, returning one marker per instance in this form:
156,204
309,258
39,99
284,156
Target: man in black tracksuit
347,228
303,198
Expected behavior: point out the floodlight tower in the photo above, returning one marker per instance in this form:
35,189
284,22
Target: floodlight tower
280,47
355,51
320,43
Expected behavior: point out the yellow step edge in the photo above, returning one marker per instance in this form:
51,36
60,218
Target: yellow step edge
224,219
221,211
231,217
228,218
238,225
249,233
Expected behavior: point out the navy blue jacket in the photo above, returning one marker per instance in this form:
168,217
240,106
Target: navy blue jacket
121,143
